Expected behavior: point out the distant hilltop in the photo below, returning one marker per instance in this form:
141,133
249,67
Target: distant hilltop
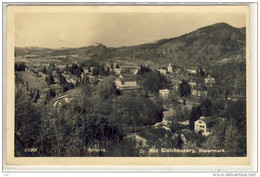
204,46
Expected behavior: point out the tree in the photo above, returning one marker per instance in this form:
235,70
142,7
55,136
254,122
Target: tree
124,148
44,70
153,81
236,112
173,99
37,96
51,94
232,142
107,88
179,142
143,69
226,93
63,80
194,115
112,66
49,79
212,142
206,108
138,111
20,66
27,123
184,88
202,73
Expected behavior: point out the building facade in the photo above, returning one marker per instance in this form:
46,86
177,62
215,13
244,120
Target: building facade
164,93
210,81
204,125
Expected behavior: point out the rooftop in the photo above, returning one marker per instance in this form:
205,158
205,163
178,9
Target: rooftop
208,119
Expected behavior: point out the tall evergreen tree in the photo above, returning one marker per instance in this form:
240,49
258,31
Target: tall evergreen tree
185,88
232,141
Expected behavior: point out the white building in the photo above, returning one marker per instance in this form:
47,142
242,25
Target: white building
134,71
199,93
130,84
162,70
210,81
175,88
117,71
170,68
193,85
191,71
204,125
126,85
164,93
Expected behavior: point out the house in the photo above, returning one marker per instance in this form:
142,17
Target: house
209,81
176,88
164,93
193,85
126,84
170,68
191,71
162,70
117,70
205,124
130,84
134,71
199,93
70,78
91,68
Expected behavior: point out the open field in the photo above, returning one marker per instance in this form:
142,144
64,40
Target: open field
34,82
136,63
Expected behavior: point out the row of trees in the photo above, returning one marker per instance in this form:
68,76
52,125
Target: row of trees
71,131
231,134
20,66
84,127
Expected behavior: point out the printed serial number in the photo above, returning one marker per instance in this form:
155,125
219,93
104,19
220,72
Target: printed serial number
30,150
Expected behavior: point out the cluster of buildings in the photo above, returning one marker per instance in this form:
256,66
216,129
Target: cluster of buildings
198,90
203,125
70,78
165,70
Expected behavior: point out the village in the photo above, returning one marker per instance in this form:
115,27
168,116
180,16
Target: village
54,84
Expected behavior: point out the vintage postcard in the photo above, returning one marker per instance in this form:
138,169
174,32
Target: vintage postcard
128,85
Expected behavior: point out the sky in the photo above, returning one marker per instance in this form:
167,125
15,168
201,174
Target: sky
70,30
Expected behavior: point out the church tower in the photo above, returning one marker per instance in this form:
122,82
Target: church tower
169,68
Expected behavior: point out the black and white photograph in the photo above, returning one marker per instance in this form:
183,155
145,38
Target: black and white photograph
131,84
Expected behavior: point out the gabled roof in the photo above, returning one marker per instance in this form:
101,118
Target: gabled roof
208,120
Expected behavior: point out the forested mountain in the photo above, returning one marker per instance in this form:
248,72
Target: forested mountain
203,46
220,49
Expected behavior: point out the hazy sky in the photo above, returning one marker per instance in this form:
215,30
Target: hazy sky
55,30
